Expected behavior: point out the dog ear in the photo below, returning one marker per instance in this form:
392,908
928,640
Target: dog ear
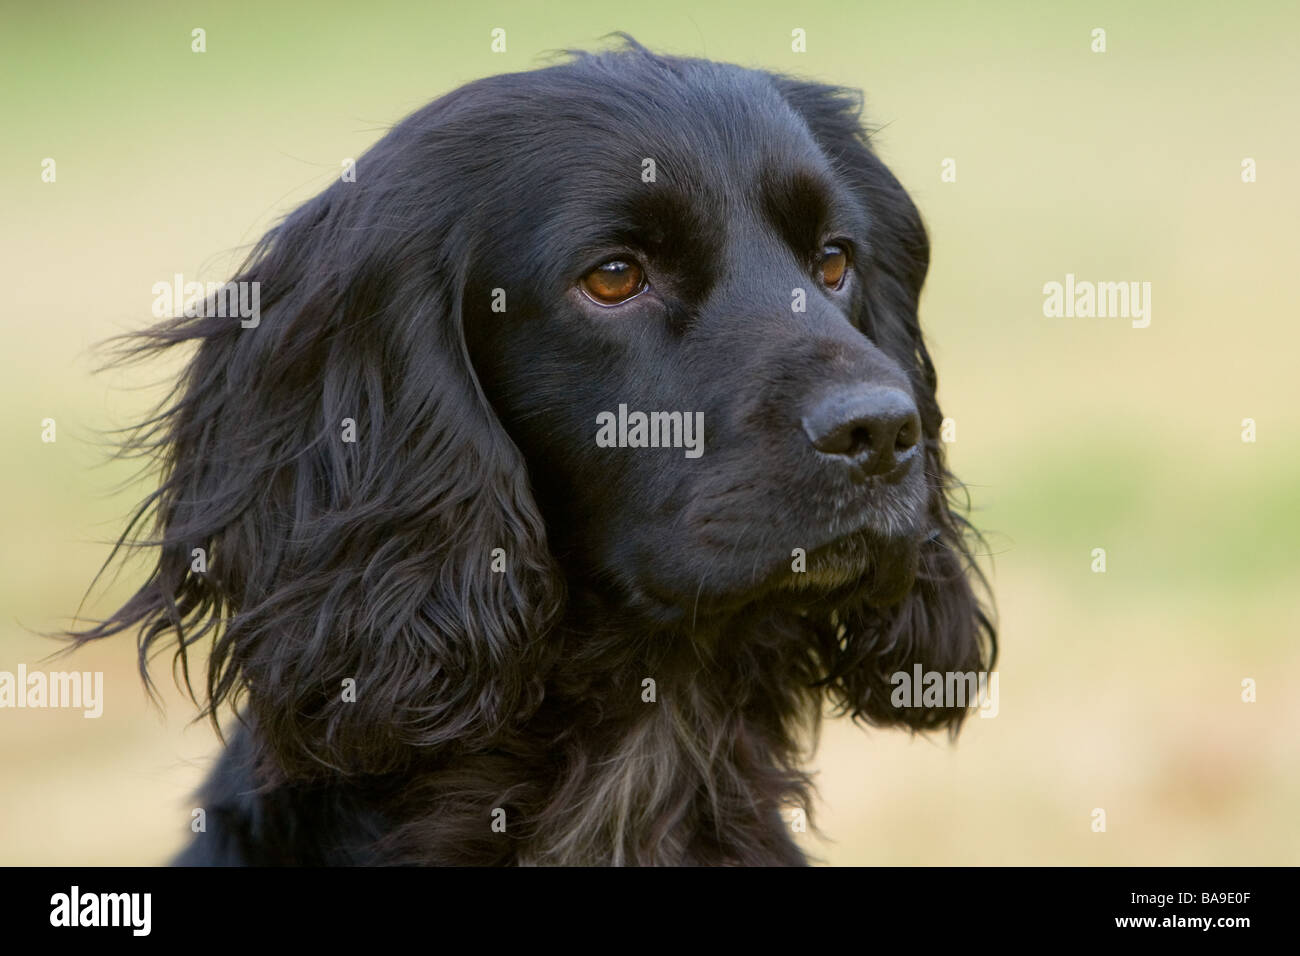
879,661
941,624
375,574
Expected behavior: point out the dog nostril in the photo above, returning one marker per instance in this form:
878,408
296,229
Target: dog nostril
908,435
870,427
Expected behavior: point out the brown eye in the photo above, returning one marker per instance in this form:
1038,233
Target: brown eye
613,282
833,264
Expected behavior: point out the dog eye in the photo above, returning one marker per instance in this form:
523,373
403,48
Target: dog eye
613,282
834,262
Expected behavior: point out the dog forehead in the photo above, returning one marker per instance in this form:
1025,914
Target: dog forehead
713,159
691,122
714,122
633,151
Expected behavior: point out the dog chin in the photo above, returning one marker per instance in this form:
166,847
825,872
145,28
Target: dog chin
859,569
863,568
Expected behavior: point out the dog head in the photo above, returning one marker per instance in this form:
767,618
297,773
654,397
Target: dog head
636,326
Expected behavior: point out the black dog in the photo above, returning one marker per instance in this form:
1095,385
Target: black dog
459,626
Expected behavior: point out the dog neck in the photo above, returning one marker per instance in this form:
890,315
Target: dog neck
675,746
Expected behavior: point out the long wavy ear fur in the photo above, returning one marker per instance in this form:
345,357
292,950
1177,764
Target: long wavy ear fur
331,560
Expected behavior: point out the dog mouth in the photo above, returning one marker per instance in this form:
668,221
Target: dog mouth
863,567
846,548
858,568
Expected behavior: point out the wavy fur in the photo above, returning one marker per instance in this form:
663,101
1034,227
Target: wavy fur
522,691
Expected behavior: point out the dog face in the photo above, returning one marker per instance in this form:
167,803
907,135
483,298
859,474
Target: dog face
402,471
691,246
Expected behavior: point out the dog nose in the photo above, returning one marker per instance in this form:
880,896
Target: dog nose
874,427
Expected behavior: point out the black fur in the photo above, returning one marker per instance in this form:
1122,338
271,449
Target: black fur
522,691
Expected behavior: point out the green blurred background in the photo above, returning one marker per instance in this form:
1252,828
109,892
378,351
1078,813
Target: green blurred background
1118,690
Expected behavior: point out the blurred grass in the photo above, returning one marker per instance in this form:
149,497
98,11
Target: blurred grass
1118,690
